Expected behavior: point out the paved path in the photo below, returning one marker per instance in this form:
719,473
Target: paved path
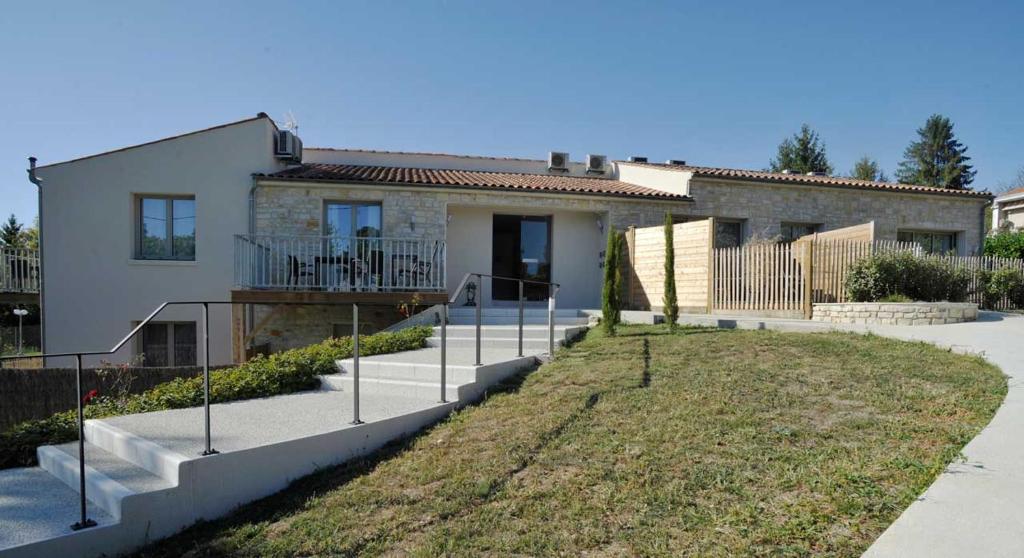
976,507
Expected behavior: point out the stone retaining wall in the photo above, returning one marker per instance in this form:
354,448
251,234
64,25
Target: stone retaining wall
891,313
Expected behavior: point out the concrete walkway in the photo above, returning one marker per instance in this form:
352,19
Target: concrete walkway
975,507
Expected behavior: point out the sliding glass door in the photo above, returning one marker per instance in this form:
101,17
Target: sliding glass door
521,248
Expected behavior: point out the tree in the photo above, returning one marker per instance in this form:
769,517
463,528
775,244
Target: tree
937,158
867,168
670,305
10,233
612,280
802,153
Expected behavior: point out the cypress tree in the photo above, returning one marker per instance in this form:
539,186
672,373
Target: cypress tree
612,279
669,303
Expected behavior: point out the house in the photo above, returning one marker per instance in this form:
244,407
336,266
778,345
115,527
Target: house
1008,210
242,212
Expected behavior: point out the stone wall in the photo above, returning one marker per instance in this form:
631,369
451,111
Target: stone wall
422,212
888,313
763,207
289,326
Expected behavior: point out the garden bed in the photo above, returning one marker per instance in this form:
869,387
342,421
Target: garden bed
896,313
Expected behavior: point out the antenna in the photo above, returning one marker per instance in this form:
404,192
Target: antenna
291,123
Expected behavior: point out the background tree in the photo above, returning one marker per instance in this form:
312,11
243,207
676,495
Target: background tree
937,158
10,233
867,168
802,153
612,280
670,304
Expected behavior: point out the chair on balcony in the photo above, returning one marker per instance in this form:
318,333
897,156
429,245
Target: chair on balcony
297,271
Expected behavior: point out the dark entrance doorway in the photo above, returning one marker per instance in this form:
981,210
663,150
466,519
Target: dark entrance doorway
522,249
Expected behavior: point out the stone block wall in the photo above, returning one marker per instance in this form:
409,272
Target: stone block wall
764,207
888,313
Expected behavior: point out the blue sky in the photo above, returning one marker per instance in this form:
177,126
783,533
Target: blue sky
714,83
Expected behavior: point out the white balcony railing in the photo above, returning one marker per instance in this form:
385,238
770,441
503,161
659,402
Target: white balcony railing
19,270
339,263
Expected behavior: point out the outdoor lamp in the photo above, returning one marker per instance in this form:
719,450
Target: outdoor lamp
471,294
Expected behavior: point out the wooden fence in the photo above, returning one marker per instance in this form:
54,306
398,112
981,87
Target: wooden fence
787,278
976,265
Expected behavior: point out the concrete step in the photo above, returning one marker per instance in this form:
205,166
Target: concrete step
511,331
141,452
513,320
390,386
530,345
108,479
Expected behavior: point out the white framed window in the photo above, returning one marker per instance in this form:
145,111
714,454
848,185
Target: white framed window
165,228
932,242
168,344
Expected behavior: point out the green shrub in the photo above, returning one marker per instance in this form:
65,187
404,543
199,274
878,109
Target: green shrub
263,376
999,285
1005,244
895,298
925,279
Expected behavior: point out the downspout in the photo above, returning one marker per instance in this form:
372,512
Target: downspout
39,205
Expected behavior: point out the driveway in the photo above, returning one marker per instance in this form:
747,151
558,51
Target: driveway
976,507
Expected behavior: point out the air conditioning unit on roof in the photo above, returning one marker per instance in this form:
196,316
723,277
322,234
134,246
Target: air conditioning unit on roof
596,163
558,161
288,146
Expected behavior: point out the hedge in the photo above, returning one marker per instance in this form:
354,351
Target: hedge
999,285
923,279
1005,244
263,376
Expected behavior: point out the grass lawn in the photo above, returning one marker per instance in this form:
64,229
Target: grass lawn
730,443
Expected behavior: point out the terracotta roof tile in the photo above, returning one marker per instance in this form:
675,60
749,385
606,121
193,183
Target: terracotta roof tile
471,179
838,181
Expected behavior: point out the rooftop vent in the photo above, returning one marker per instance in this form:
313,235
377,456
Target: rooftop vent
817,173
637,159
678,162
787,171
558,161
596,163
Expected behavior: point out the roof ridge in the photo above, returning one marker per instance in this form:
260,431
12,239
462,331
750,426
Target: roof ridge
515,173
810,179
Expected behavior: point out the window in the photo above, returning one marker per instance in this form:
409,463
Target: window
343,221
793,231
169,344
728,233
166,228
930,242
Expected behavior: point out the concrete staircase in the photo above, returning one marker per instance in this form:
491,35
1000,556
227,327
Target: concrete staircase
145,479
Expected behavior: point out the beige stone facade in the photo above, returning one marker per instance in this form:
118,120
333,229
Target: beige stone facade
764,207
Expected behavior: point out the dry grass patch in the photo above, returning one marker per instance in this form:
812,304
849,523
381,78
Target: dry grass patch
743,443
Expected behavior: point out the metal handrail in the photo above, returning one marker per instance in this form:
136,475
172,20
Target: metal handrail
84,520
553,289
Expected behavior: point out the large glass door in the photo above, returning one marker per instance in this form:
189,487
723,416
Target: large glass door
351,249
521,249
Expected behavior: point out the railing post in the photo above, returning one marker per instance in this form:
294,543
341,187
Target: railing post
355,364
479,315
84,520
444,349
551,319
206,378
520,317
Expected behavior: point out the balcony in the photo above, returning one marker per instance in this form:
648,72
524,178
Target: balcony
339,264
19,275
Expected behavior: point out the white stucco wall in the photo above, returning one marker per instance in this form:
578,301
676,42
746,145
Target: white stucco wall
94,290
576,244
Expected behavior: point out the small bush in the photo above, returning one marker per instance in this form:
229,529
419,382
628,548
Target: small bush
1005,244
1002,284
924,279
263,376
895,298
